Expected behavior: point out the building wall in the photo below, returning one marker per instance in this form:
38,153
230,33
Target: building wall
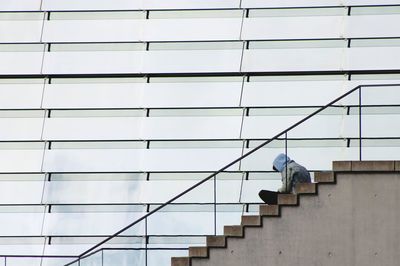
110,108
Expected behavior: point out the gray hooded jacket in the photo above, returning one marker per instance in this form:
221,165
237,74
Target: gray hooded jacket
292,173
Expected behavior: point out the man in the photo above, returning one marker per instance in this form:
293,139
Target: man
292,173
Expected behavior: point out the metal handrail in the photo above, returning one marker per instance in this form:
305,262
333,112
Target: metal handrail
90,252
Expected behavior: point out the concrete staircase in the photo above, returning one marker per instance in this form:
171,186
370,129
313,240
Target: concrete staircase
365,186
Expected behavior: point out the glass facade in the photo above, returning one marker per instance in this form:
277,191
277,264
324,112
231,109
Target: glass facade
109,108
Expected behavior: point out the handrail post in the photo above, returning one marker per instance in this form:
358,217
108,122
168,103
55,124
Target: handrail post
286,168
215,205
359,123
145,241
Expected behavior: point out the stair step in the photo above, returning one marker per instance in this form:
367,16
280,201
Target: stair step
233,230
372,166
269,210
324,177
251,220
377,166
198,252
180,261
341,166
287,199
306,188
397,166
216,241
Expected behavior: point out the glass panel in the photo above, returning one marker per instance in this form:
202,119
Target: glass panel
21,192
296,44
265,175
175,241
21,177
178,176
273,112
194,79
98,176
194,176
124,257
193,61
22,145
136,5
196,112
376,142
22,113
163,257
94,95
196,46
300,96
20,29
195,144
379,77
29,61
21,161
57,47
21,16
362,58
87,62
91,5
311,59
56,261
303,143
11,94
21,47
97,113
196,14
297,78
381,95
375,42
99,145
96,208
23,261
22,81
93,260
293,28
298,12
96,80
21,5
375,10
91,223
97,15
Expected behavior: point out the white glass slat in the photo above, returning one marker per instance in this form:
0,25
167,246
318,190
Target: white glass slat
20,96
20,62
144,95
316,59
20,5
21,160
93,30
292,28
21,128
20,31
136,4
138,160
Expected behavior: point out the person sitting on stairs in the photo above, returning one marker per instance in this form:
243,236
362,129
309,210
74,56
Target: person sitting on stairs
291,172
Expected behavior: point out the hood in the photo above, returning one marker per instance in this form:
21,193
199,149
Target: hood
280,162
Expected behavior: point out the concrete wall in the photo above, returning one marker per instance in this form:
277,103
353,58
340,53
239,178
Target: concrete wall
355,222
